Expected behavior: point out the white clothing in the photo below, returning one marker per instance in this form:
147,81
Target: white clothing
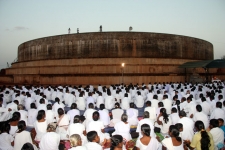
88,115
69,99
23,115
165,125
81,103
4,114
63,124
217,113
100,100
125,103
32,116
167,142
56,106
122,129
41,129
22,138
109,102
77,128
5,141
202,117
139,102
49,116
13,130
71,113
49,141
93,146
42,107
188,126
206,108
167,105
28,101
145,121
132,116
153,144
154,103
152,112
78,148
89,100
104,116
218,136
117,113
175,118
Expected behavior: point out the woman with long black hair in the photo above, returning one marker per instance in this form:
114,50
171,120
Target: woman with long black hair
116,142
202,140
164,121
174,142
40,125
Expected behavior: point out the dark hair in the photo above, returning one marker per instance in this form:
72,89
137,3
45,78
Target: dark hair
220,119
60,111
214,123
199,108
175,132
57,100
27,146
95,116
91,135
174,109
218,104
160,104
179,125
91,105
21,125
117,105
32,105
49,107
73,106
131,105
164,114
182,113
41,114
102,106
205,140
41,101
115,140
155,96
146,114
5,127
124,117
148,103
145,128
203,99
15,116
76,119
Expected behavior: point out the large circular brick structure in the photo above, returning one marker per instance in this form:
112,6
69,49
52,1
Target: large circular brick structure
95,58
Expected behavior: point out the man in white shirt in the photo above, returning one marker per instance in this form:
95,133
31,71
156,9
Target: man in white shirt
155,102
139,102
132,114
217,133
88,113
200,115
206,107
4,112
174,116
90,99
191,107
218,112
94,140
104,115
100,100
167,104
73,112
42,105
151,110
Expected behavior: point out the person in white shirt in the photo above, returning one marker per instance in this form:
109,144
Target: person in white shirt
23,113
76,143
94,140
125,102
132,114
174,116
167,103
13,106
151,110
90,99
28,101
206,107
199,115
139,101
191,107
218,112
50,115
42,105
183,104
217,133
6,140
109,100
76,127
4,112
73,112
32,115
116,114
50,140
57,105
100,100
163,121
104,115
154,102
188,126
88,113
40,125
81,104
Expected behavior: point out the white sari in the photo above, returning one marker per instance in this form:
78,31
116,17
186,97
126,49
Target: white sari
63,123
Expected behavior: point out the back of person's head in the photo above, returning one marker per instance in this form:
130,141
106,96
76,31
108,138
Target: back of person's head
218,104
60,111
15,116
164,114
174,132
20,107
182,113
125,95
117,105
49,107
115,141
27,146
42,101
75,140
32,105
165,96
76,119
41,114
160,104
91,135
203,99
91,105
5,127
57,100
95,116
179,126
145,128
174,110
148,103
131,105
124,117
155,96
146,114
214,123
21,125
102,106
205,140
199,108
73,106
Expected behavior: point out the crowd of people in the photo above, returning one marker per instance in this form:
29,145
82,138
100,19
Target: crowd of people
173,116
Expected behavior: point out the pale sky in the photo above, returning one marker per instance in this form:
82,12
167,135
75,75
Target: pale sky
24,20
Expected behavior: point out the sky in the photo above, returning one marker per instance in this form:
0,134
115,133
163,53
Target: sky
24,20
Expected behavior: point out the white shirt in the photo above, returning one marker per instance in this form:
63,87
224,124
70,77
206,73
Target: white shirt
218,136
73,112
93,146
50,141
152,112
202,117
100,100
167,105
188,126
104,116
175,118
22,138
139,102
145,121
